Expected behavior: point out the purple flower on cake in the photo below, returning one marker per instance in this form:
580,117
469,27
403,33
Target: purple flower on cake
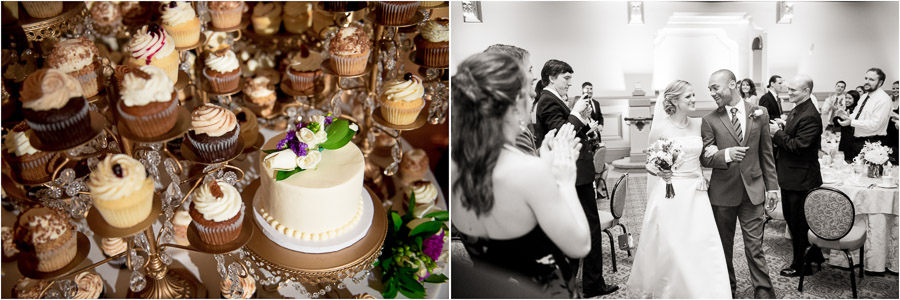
306,144
283,142
433,245
328,120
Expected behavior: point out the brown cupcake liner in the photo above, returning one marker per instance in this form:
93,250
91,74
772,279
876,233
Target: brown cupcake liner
436,57
43,9
221,235
217,149
151,125
400,116
31,167
222,84
226,18
305,81
66,133
349,65
395,13
58,258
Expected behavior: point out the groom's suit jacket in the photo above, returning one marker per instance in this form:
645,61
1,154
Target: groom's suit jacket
552,113
799,143
756,173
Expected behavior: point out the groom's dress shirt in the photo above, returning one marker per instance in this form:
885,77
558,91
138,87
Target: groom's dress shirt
874,118
742,118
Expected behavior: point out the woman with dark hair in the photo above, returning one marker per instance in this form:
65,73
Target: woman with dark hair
860,90
845,145
748,91
507,211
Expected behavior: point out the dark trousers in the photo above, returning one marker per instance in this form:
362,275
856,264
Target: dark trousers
592,279
792,205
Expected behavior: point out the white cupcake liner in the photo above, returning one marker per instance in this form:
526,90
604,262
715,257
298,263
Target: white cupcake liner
127,216
210,234
349,65
208,151
401,116
393,13
58,126
225,18
57,258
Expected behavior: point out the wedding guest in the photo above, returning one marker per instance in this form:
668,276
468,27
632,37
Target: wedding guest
832,102
798,169
850,101
770,100
525,140
553,113
860,90
892,132
748,91
595,118
510,216
870,118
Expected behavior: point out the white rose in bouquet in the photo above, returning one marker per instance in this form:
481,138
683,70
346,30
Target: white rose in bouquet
283,160
310,161
307,136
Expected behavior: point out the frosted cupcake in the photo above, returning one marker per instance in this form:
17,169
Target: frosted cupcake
106,17
304,69
247,288
90,286
180,20
152,45
43,9
214,133
112,247
413,167
249,126
27,288
29,163
121,190
297,16
426,198
148,106
54,107
402,100
78,58
46,232
350,49
223,71
226,14
260,94
395,12
134,13
217,212
180,223
433,43
266,18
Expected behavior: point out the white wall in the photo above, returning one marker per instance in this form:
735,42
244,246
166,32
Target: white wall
846,38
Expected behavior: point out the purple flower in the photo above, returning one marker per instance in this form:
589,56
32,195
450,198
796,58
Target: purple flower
291,135
328,120
298,147
433,245
301,125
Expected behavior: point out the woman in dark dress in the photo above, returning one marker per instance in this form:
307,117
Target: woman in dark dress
846,131
515,212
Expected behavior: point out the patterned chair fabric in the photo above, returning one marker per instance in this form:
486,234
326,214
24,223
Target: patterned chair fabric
617,201
829,212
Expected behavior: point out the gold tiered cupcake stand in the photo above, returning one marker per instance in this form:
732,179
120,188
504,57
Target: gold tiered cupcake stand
37,29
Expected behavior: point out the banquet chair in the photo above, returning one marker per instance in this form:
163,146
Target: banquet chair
601,169
610,219
833,225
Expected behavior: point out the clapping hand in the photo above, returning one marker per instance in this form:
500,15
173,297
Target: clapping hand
564,156
773,127
595,126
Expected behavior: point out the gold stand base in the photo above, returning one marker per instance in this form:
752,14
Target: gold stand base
178,284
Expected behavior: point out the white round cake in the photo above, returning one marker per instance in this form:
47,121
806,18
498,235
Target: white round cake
316,204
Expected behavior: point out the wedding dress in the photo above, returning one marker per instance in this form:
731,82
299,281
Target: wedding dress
679,253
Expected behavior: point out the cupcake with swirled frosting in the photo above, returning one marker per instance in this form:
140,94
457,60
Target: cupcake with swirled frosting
266,18
247,288
433,43
148,104
214,133
349,50
260,95
112,247
297,16
27,288
106,17
426,198
402,100
223,71
121,190
152,45
28,163
47,234
90,286
304,68
180,20
55,108
226,14
217,212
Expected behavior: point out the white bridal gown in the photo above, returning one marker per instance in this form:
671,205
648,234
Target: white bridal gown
679,254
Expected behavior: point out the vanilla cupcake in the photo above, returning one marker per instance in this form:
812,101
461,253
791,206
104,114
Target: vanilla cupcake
112,247
217,212
349,50
180,20
214,133
121,190
223,71
266,18
43,9
247,288
426,198
24,160
297,16
152,45
304,68
78,57
226,14
180,222
90,286
148,106
46,232
260,93
106,17
402,100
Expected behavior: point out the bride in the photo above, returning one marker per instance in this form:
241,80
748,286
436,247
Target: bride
679,254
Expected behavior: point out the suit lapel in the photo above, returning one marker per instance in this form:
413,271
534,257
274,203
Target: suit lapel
558,101
723,115
750,122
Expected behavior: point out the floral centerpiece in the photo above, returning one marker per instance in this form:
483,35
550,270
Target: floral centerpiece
663,156
301,149
411,252
875,156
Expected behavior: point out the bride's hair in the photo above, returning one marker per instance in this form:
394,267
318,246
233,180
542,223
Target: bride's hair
673,91
484,89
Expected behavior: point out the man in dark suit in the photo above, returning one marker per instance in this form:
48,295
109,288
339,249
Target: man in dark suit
595,118
770,99
798,167
552,113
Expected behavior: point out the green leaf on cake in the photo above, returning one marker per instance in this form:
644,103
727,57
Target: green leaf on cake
282,175
427,229
270,151
339,134
439,215
436,278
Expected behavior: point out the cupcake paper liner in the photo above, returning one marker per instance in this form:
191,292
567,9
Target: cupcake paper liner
226,18
43,9
302,83
217,149
396,13
400,116
151,125
89,84
265,25
130,215
57,258
168,63
436,57
350,65
30,167
185,35
65,133
223,84
221,235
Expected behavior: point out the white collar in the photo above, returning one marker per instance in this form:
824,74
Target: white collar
739,106
552,90
774,94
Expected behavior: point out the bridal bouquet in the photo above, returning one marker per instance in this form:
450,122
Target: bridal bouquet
663,155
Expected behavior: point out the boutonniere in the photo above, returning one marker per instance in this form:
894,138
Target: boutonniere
756,112
301,149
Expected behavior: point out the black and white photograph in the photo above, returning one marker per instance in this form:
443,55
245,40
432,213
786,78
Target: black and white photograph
674,149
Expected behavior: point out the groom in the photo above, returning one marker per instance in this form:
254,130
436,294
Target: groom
743,175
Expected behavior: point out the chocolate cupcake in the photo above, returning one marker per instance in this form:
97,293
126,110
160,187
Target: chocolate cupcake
433,43
148,106
223,71
54,107
29,163
135,13
47,234
395,12
112,247
304,69
217,212
214,133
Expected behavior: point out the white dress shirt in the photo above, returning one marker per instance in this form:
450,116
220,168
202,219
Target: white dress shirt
874,117
742,118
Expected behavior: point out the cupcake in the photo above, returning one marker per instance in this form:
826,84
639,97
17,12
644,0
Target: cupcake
90,286
47,234
430,3
226,14
413,166
134,13
152,45
274,75
78,58
27,288
266,18
249,126
247,288
121,190
349,50
433,43
297,16
304,69
214,133
180,222
54,107
43,9
9,246
223,71
402,100
106,17
217,212
260,93
395,12
112,247
29,163
426,198
180,20
335,6
148,104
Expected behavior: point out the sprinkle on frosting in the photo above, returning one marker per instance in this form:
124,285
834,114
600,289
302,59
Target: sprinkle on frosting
42,225
145,85
212,120
408,89
105,12
218,201
151,41
435,31
175,13
71,55
106,185
47,89
222,61
349,41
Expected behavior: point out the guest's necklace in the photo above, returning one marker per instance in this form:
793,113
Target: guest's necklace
682,126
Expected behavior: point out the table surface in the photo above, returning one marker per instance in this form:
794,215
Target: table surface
868,199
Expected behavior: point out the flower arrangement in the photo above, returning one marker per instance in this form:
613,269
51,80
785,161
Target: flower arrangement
663,156
301,149
411,251
875,156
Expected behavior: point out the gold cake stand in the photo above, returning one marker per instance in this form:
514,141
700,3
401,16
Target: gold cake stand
37,29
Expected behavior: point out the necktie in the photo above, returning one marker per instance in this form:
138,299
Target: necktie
859,112
736,124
